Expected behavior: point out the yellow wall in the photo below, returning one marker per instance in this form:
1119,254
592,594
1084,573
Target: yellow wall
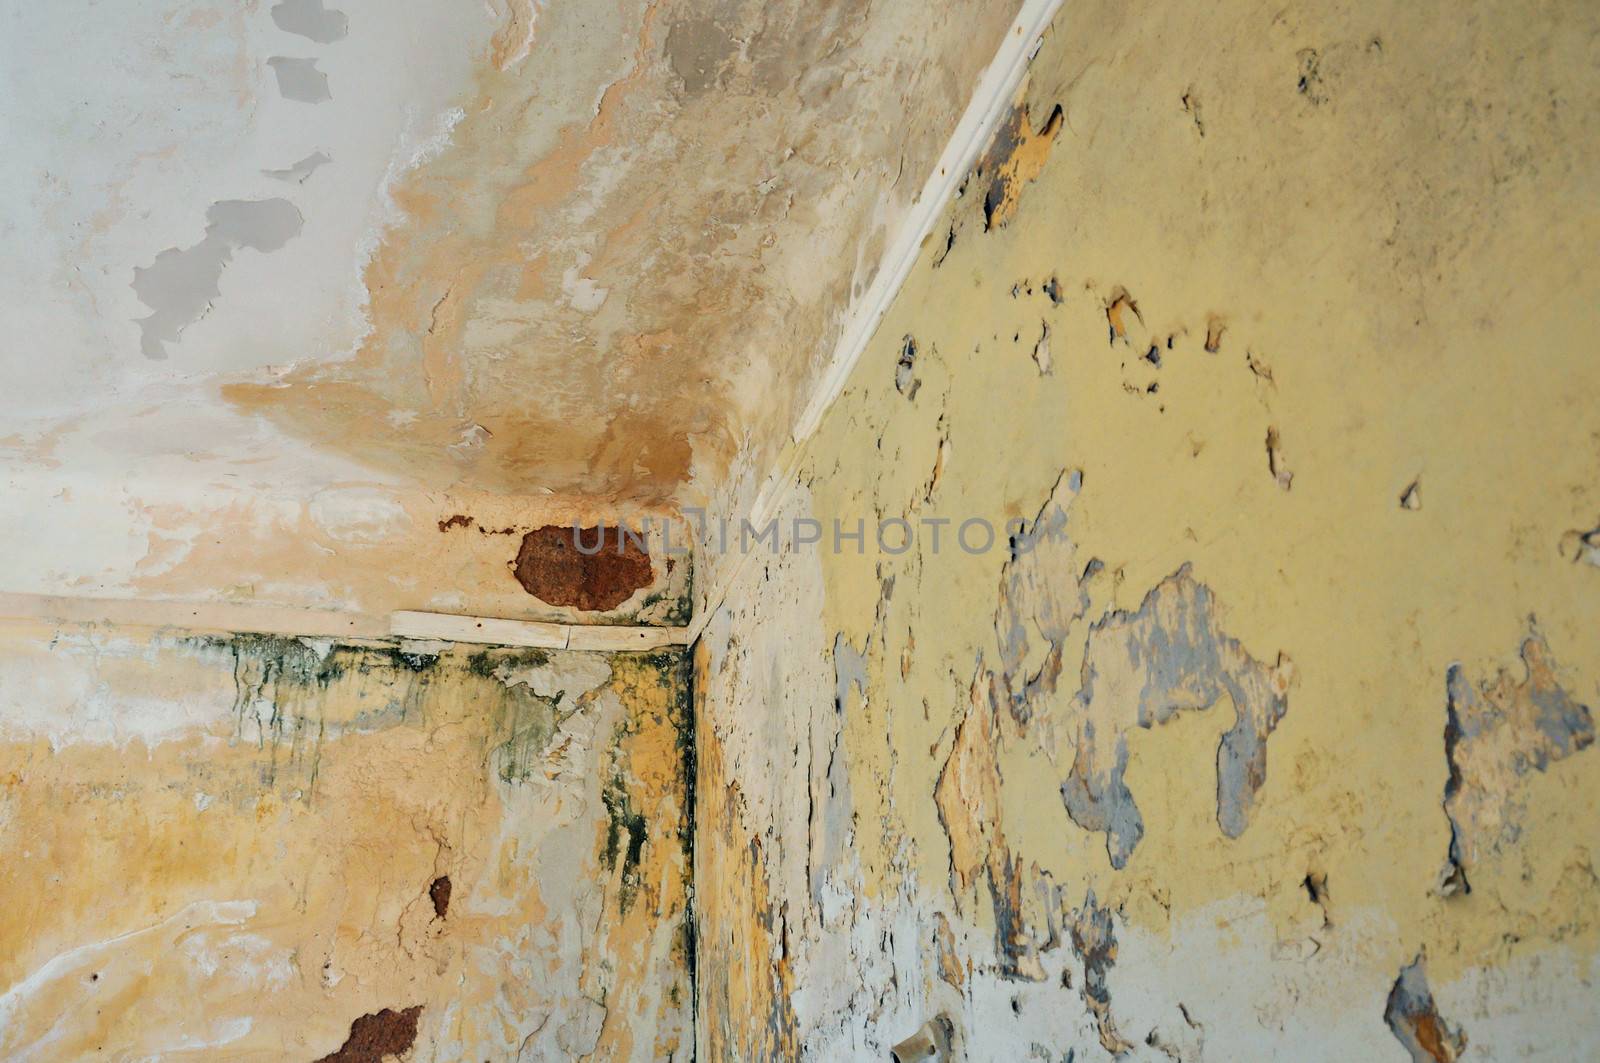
1280,340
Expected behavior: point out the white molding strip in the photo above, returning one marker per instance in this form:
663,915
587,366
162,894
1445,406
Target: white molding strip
990,102
295,622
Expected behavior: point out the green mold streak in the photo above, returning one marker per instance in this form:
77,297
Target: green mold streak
281,685
527,722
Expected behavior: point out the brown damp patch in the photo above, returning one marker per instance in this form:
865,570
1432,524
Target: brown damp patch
377,1036
439,893
555,564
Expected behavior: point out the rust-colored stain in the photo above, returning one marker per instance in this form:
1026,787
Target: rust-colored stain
439,894
377,1036
1431,1037
587,568
1014,159
458,520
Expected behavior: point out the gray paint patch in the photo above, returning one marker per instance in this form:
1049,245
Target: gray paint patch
1142,668
310,19
1414,1018
302,169
300,80
181,284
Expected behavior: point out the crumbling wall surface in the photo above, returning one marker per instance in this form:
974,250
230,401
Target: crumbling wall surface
255,848
1267,731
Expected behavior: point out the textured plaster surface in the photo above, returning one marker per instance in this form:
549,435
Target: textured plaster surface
252,848
1272,737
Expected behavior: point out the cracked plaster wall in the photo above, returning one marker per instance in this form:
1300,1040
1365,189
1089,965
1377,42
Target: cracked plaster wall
1274,740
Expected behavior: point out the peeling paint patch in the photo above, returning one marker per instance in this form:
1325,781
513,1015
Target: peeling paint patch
1041,349
1497,731
969,802
1014,159
1275,463
311,19
300,80
300,171
931,1041
1578,545
905,381
1411,497
1140,669
849,669
1040,599
1410,1012
1121,313
1215,328
181,284
1094,940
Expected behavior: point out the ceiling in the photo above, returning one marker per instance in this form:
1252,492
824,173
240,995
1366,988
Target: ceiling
288,283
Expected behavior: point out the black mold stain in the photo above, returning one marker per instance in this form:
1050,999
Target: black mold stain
623,821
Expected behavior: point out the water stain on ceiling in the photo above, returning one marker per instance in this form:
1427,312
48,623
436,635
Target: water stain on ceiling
637,244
